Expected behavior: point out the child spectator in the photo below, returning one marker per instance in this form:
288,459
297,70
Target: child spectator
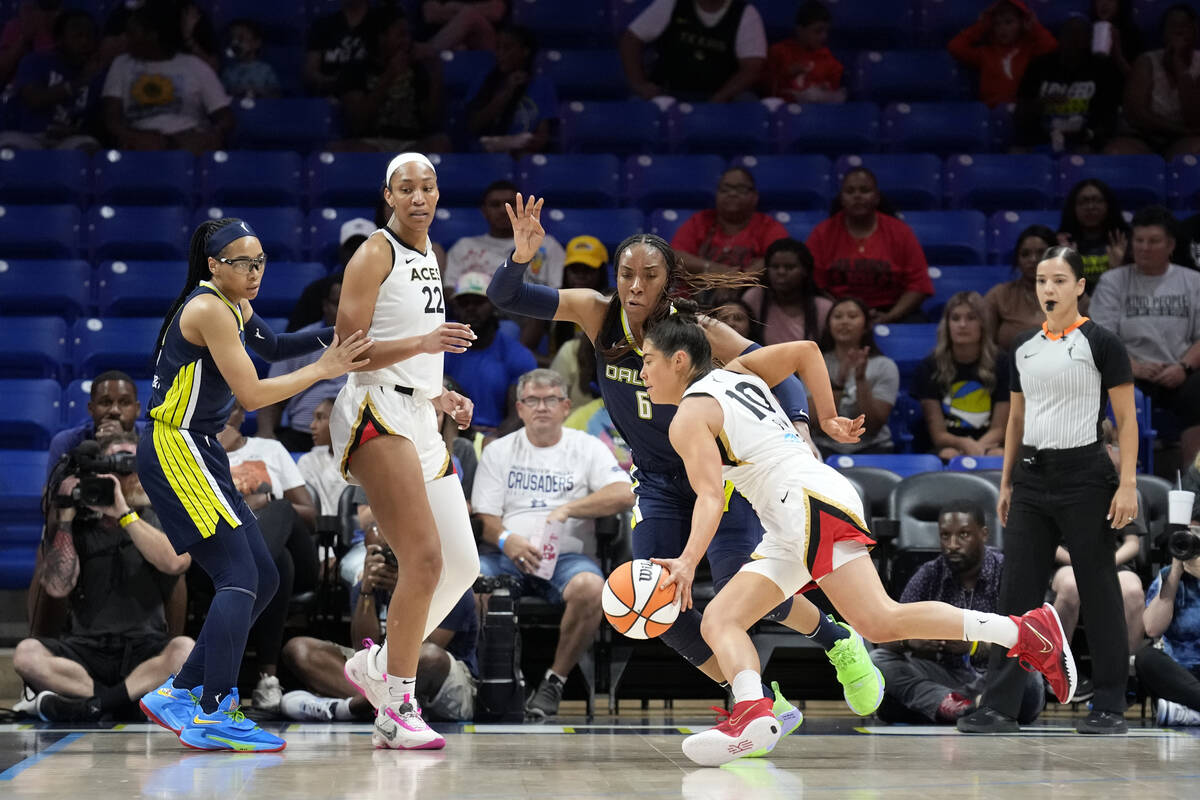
247,75
802,69
511,108
788,306
1000,46
1092,224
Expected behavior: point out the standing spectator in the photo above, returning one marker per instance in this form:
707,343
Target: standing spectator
733,236
1000,46
113,408
788,306
30,31
708,50
465,24
1093,225
1068,100
158,98
1126,38
863,251
1172,674
247,75
1162,95
937,681
337,42
319,466
1153,306
511,108
545,474
963,384
864,380
802,69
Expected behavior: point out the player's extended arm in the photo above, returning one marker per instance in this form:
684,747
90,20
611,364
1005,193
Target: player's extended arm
727,344
779,361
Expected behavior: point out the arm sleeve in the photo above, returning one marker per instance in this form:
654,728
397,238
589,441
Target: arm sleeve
1014,374
1111,358
650,24
603,469
751,35
114,81
963,46
211,91
280,346
1105,308
487,492
509,291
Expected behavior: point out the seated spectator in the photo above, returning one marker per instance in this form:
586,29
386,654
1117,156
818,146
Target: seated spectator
802,69
511,108
1187,243
1123,34
246,74
864,380
535,477
30,31
56,92
1013,307
1162,94
159,98
485,253
1068,100
863,251
109,573
1000,46
462,24
736,314
585,267
1154,307
963,384
489,370
577,369
392,101
1092,224
1172,674
707,50
938,681
113,407
338,42
319,466
733,235
788,306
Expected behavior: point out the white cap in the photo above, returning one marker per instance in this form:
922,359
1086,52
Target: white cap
401,160
358,226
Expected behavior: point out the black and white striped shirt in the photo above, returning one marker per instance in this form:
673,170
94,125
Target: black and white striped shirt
1065,380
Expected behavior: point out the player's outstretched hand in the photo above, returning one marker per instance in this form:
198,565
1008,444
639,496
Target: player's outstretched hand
846,431
449,337
526,222
344,355
680,574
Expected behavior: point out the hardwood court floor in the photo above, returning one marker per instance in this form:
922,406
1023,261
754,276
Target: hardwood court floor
621,758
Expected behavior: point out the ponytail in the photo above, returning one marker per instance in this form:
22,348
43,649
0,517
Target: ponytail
197,271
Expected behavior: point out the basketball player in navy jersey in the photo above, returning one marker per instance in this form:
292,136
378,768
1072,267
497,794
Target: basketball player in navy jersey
647,269
201,365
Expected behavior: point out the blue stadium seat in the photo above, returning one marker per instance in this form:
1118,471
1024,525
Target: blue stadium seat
78,394
869,23
1137,180
22,473
574,181
828,128
949,281
31,412
907,345
950,237
138,232
34,347
622,12
908,180
114,343
131,178
906,75
973,463
138,288
346,179
903,420
582,23
288,61
1005,226
665,221
1000,123
40,231
452,224
725,128
45,287
1052,13
937,21
280,230
672,181
778,16
286,123
44,176
634,126
903,464
799,224
462,69
990,182
790,181
936,127
278,296
18,553
1183,182
325,232
1148,16
585,74
251,178
609,226
463,177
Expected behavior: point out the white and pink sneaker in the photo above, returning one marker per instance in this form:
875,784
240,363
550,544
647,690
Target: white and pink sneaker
361,670
399,726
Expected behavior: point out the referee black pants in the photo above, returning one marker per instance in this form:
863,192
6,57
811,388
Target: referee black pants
1063,496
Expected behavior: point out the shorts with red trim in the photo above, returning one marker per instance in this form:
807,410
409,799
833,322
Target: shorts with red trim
360,413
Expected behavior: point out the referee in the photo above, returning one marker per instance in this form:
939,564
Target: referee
1058,484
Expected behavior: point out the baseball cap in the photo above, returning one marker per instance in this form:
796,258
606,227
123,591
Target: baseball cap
359,226
473,283
587,250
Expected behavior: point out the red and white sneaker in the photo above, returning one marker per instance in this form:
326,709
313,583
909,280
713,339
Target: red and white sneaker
1042,645
399,726
749,728
366,677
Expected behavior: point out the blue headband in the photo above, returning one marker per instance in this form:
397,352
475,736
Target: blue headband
222,236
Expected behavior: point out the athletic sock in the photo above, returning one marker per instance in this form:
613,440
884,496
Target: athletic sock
402,690
341,710
982,627
828,632
561,678
747,685
113,697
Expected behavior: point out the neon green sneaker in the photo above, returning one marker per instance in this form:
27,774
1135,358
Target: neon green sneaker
789,718
862,682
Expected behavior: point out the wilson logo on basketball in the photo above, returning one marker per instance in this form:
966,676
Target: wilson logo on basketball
633,602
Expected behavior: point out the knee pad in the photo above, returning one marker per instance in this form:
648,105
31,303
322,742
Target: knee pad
684,638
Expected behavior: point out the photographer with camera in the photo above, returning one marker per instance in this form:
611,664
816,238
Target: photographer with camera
113,407
104,558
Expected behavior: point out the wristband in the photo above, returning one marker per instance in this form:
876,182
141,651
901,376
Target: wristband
500,542
128,518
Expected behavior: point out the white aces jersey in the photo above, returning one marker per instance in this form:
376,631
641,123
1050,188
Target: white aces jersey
757,438
410,303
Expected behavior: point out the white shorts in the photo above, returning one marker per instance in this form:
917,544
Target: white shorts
360,413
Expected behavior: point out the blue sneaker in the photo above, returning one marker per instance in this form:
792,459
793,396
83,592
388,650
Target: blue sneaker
227,728
170,706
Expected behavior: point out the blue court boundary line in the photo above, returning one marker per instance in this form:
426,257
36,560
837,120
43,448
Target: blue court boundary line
41,755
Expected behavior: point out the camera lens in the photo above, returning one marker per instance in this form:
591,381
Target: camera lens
1183,544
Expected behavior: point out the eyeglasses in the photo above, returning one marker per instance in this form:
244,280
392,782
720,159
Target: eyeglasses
244,264
551,402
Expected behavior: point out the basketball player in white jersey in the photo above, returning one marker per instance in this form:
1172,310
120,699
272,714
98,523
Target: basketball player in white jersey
385,437
729,426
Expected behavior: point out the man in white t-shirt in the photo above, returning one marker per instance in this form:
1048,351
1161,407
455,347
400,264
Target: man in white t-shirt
319,466
708,50
541,474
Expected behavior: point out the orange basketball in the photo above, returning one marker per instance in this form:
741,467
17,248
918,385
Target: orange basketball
633,603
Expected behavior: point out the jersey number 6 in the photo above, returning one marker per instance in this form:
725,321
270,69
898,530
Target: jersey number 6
644,408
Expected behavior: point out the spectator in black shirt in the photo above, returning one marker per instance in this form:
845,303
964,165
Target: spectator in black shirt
338,41
511,109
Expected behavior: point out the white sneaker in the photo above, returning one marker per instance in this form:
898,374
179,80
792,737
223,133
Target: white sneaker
267,694
27,705
399,726
307,707
1176,714
366,677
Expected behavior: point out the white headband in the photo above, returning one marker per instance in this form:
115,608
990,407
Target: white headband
402,159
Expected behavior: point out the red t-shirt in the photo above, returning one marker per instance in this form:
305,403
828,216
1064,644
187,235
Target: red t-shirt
877,269
702,236
1001,67
824,71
